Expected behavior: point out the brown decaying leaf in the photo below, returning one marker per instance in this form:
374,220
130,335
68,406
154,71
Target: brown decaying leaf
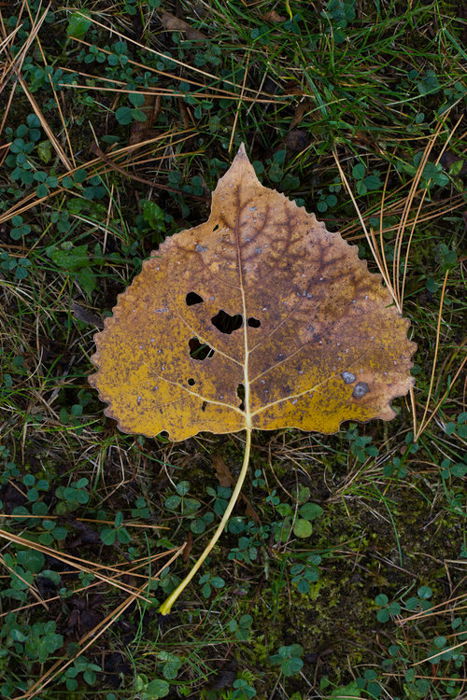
225,478
300,334
86,316
223,473
173,24
142,131
273,16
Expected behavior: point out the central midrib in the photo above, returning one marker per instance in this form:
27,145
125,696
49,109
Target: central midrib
246,352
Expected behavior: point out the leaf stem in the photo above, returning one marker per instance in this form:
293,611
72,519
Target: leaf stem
166,606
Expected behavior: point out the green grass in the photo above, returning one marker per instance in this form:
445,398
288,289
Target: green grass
94,176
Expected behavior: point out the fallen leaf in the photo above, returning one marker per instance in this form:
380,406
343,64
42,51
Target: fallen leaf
301,109
297,140
86,316
225,478
273,16
141,131
188,547
173,24
223,473
258,318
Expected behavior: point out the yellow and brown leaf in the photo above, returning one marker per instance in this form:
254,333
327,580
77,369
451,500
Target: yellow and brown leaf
257,318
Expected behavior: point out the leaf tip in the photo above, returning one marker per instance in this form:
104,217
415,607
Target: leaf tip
241,153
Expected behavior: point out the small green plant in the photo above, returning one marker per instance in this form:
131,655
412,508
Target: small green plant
306,573
360,445
10,263
245,550
23,142
327,199
171,664
432,175
365,182
34,487
189,508
387,609
141,509
75,261
441,651
396,468
343,692
421,601
84,668
23,569
242,690
241,628
208,583
38,642
446,257
72,497
19,228
151,689
288,659
118,533
78,25
339,14
307,513
369,682
127,115
453,470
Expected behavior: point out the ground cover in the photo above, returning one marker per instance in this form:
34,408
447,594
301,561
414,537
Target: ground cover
341,573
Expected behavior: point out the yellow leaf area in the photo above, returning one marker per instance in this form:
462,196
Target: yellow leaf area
258,318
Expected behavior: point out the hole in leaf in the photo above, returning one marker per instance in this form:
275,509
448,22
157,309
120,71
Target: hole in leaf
198,350
215,228
360,390
191,381
241,396
192,298
226,323
253,322
203,405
